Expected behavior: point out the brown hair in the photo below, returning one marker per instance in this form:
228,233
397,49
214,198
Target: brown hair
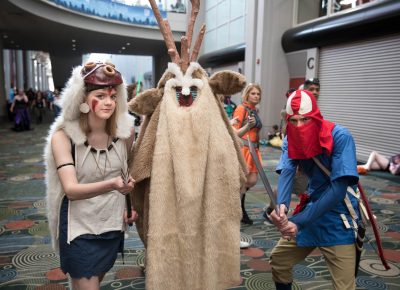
248,88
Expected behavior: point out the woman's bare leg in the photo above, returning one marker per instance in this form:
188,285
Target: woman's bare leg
376,161
93,283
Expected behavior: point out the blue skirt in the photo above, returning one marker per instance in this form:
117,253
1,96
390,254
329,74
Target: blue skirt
87,255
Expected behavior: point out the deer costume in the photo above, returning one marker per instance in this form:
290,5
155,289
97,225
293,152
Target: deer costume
188,169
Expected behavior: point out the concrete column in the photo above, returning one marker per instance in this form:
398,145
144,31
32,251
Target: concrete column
267,56
34,73
160,64
29,70
39,74
13,68
6,66
20,69
44,75
250,39
4,80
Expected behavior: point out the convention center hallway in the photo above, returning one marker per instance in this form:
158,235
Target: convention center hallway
28,262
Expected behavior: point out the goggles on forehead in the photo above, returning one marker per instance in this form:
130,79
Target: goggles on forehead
99,73
90,67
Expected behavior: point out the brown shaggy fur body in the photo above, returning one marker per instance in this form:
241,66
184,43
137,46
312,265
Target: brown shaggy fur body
188,169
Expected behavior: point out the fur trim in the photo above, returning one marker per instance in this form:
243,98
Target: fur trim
227,82
54,192
164,78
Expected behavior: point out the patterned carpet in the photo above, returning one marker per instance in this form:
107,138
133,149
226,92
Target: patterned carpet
27,261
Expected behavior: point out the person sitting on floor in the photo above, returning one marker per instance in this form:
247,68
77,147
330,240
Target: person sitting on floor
377,161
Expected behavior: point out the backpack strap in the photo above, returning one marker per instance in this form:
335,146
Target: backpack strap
346,199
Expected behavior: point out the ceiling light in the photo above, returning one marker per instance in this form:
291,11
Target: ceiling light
128,43
73,40
73,45
123,47
5,36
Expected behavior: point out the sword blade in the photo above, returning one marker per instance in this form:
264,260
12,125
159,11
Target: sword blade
263,177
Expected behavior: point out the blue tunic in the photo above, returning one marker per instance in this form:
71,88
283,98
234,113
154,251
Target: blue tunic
320,224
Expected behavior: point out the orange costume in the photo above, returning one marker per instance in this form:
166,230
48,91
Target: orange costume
242,114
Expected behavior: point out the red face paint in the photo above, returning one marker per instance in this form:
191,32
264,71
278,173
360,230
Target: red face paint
110,89
94,105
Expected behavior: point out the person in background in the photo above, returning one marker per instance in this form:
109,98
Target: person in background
282,125
229,106
39,106
133,90
57,103
248,124
313,86
324,219
19,108
377,161
87,176
10,100
275,138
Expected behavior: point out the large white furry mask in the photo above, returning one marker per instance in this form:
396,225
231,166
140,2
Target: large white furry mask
186,85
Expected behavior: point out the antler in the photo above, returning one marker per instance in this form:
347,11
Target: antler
193,16
167,33
184,53
196,48
186,41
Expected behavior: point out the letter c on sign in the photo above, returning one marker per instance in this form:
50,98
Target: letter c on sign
310,63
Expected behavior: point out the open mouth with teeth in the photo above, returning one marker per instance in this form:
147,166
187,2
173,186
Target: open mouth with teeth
186,97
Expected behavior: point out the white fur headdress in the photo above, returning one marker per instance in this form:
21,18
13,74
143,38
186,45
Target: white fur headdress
74,94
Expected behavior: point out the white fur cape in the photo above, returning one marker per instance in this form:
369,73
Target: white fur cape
71,97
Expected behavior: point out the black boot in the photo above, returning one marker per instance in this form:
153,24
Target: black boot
281,286
245,217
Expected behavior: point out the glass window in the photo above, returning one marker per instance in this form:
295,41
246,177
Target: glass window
340,5
210,41
225,21
223,36
236,31
311,9
238,8
223,13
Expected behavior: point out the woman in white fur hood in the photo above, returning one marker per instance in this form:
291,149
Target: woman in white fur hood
86,152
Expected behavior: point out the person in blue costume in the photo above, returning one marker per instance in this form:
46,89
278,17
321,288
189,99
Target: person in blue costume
323,220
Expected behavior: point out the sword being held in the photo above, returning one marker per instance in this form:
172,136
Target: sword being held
263,177
125,178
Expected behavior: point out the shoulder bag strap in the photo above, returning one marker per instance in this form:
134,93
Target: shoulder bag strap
349,189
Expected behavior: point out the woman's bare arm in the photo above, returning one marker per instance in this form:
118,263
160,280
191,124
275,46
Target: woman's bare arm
61,147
